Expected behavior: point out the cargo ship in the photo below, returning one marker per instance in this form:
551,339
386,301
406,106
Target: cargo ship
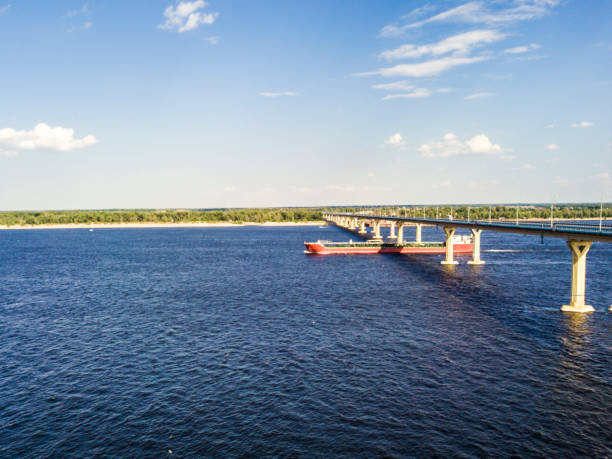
461,244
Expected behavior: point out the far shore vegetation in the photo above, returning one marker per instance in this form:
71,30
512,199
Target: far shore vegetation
298,214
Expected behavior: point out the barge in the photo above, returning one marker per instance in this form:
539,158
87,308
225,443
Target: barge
461,244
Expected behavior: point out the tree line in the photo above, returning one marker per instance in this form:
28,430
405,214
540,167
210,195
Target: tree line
262,215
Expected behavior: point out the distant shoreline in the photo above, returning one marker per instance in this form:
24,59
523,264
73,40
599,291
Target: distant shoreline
156,225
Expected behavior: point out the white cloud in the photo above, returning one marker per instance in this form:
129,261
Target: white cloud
451,145
229,189
82,10
458,44
395,140
416,94
185,16
478,12
481,144
212,40
8,153
44,136
85,26
582,124
421,11
552,146
550,126
527,166
278,94
479,95
391,31
395,86
5,8
522,49
444,89
427,68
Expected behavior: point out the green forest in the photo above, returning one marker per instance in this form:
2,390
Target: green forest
301,214
237,216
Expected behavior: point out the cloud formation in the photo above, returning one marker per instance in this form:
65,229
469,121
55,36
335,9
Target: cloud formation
552,146
427,68
522,49
478,12
479,95
185,16
417,93
395,140
395,86
451,145
212,40
85,26
43,136
278,94
5,8
582,124
459,44
84,9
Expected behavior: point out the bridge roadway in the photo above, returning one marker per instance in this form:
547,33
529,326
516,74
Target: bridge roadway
579,238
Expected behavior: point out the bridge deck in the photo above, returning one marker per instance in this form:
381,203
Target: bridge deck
565,230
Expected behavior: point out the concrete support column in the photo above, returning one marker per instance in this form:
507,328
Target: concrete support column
449,246
400,234
418,232
377,236
579,251
362,228
476,248
392,231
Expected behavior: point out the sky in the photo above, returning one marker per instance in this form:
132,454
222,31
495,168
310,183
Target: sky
242,103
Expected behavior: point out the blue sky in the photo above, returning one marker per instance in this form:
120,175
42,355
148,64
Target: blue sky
228,103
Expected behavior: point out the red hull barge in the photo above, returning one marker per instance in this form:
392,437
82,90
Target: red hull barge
371,248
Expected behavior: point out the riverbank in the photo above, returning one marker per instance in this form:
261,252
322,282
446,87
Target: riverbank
157,225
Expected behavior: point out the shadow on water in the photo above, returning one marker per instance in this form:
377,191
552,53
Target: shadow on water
471,288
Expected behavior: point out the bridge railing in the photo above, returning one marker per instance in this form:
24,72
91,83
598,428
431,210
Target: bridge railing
592,227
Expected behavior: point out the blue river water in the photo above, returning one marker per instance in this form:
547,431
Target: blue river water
232,342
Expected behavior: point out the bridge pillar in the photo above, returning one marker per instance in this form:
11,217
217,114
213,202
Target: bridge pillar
377,236
392,231
362,228
476,248
400,234
418,232
449,246
579,251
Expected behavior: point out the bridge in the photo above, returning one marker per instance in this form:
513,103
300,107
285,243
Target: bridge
578,236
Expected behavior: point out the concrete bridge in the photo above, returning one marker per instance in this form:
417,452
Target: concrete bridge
578,236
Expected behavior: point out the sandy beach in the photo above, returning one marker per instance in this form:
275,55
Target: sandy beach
157,225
